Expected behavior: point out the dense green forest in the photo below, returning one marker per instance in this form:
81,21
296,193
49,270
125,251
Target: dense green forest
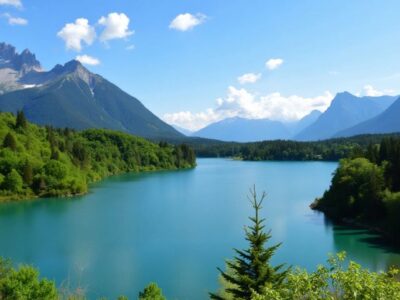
250,275
327,150
38,161
366,189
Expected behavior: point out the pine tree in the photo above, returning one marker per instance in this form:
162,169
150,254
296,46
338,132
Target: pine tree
251,270
21,121
28,173
10,142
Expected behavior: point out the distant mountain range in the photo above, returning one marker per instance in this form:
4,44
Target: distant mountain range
347,115
71,96
345,111
250,130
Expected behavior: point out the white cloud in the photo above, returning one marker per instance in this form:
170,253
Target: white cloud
130,47
16,3
242,103
249,78
184,22
116,26
74,34
15,20
274,63
369,90
88,60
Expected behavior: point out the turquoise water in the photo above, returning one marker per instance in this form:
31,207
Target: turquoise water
175,228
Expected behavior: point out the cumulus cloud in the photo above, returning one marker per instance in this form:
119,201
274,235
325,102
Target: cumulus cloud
116,26
249,78
184,22
274,63
242,103
16,3
77,33
130,47
369,90
15,20
88,60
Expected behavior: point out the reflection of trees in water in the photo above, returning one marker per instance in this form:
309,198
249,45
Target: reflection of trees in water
364,247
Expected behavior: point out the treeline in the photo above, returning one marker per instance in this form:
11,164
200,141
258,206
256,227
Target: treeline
327,150
38,161
366,189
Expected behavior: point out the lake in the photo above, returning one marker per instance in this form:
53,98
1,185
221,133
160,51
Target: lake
176,227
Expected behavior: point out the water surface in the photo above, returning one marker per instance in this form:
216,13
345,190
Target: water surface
175,228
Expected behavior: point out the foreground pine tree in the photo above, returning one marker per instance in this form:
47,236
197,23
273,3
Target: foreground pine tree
250,271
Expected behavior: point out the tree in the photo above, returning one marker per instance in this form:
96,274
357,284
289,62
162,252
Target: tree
24,283
10,142
27,174
21,121
250,271
13,182
151,292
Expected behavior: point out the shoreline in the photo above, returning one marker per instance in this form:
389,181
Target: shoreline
33,197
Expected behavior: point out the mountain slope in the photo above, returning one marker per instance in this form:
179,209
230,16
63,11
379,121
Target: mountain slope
244,130
298,126
71,96
386,122
345,111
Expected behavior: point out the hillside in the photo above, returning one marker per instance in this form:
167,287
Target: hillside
40,161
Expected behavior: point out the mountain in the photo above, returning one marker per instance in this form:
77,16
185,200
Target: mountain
14,66
386,122
345,111
244,130
297,126
69,95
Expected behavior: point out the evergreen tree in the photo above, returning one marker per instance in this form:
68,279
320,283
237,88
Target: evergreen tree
151,292
250,271
21,121
10,142
27,174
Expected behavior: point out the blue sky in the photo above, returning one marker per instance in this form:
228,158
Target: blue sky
190,77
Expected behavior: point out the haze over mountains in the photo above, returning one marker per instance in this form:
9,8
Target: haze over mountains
71,96
249,130
346,116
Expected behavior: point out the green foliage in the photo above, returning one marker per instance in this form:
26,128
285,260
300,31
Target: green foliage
250,271
367,189
282,150
21,121
10,142
24,284
335,282
43,161
13,182
151,292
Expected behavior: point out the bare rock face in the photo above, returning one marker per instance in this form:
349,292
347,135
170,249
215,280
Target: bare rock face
22,63
14,66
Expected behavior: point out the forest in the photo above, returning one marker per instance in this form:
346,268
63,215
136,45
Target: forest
365,190
283,150
37,161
